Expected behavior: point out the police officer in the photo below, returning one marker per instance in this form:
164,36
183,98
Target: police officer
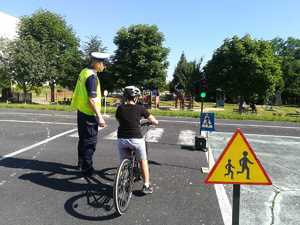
87,100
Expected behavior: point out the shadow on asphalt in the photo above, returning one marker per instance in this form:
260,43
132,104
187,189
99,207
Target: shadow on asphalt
95,201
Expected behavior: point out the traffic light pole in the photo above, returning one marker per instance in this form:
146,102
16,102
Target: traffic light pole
202,100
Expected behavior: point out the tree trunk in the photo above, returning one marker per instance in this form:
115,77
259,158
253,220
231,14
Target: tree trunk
25,94
241,110
52,88
6,94
192,99
150,100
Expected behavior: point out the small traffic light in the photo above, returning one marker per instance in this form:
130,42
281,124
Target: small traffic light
203,94
196,88
203,88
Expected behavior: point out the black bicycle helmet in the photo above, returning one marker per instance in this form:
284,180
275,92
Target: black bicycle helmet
131,92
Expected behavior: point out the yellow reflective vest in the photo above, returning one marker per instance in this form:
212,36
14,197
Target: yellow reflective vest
80,99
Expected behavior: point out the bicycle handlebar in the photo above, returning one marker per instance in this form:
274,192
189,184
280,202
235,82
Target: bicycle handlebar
146,124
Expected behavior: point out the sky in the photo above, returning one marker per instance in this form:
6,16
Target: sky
195,27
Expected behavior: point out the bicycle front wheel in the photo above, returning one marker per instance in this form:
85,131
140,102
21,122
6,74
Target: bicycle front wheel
123,187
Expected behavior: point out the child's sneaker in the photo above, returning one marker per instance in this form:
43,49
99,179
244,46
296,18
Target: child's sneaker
147,190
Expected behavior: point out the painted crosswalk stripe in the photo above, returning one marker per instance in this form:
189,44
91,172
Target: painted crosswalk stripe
186,137
154,134
75,135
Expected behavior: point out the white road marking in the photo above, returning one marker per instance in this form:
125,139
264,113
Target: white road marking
258,135
170,121
36,144
256,125
154,135
75,135
39,122
44,114
186,137
222,197
39,114
232,124
2,182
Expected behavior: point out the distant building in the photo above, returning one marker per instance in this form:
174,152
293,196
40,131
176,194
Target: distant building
8,26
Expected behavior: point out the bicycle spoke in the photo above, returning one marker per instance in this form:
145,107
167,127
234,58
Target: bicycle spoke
123,187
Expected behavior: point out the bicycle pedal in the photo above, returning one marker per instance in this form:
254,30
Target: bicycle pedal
138,178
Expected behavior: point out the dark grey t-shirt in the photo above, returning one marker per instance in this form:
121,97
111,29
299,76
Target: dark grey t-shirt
129,117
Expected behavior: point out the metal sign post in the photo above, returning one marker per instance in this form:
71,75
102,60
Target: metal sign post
236,204
105,94
238,164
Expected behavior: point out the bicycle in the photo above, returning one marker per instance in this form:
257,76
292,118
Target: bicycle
127,174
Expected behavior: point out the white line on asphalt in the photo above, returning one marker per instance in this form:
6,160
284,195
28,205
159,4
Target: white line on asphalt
153,135
44,114
170,121
232,124
256,125
37,114
222,197
186,137
263,135
75,135
36,144
40,122
2,182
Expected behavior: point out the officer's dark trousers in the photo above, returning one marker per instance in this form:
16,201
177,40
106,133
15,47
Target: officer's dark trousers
87,132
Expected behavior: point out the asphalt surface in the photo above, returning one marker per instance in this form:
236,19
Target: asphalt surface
40,184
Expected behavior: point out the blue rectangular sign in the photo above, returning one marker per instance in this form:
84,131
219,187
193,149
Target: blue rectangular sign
207,122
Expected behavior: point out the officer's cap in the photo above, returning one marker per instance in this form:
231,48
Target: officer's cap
101,56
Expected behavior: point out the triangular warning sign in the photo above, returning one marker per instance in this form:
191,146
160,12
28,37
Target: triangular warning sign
238,164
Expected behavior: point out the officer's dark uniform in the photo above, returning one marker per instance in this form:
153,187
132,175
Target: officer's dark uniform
87,131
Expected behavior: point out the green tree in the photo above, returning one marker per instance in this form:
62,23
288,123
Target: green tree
245,68
4,79
140,58
25,63
58,41
94,44
289,53
73,62
186,75
181,72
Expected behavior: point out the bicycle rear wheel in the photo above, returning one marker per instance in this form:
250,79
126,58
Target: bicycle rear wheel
123,187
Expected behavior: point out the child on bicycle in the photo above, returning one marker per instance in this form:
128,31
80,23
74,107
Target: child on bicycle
129,115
